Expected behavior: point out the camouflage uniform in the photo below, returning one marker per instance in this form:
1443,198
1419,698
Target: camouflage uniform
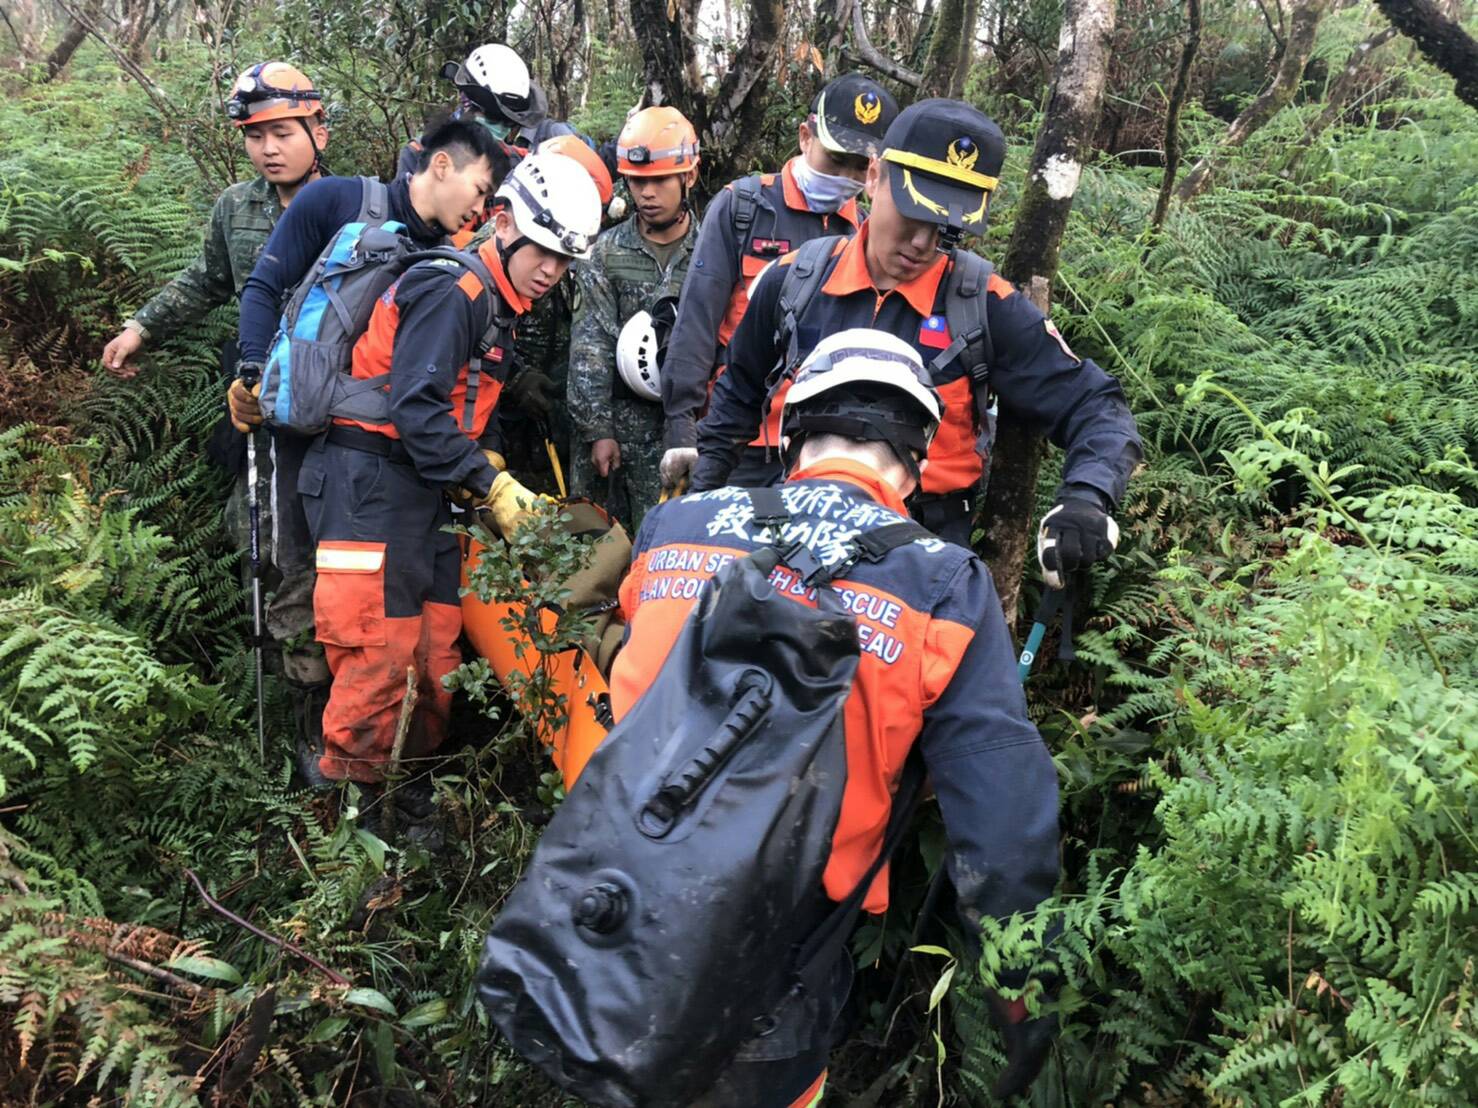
621,277
240,224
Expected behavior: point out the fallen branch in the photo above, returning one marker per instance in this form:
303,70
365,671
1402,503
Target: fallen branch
282,944
163,976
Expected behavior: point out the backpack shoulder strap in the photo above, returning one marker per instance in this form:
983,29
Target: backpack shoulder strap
374,201
803,280
742,208
965,291
494,328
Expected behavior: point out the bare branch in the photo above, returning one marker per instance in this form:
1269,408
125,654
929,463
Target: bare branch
866,52
1172,111
282,944
1303,26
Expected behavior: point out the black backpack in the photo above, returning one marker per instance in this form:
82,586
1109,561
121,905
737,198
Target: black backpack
676,898
964,313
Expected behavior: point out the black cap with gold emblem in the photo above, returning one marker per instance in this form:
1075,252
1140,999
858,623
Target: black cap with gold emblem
944,159
852,114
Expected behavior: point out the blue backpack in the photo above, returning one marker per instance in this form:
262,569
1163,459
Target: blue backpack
307,380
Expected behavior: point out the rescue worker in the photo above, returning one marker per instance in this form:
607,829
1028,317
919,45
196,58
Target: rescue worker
495,89
456,177
280,116
932,183
618,438
532,412
746,226
937,668
386,597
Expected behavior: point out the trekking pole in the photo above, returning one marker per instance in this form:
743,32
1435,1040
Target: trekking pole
1047,611
254,524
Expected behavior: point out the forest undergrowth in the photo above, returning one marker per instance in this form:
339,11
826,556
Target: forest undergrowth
1268,748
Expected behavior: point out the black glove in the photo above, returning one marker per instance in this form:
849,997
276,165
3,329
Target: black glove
532,393
1027,1042
1077,532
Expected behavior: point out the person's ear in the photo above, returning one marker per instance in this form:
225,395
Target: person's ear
320,135
691,179
804,136
873,182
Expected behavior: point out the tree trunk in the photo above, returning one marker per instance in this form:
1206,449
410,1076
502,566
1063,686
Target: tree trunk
950,48
57,60
1072,115
739,108
1302,28
1172,112
1442,41
668,58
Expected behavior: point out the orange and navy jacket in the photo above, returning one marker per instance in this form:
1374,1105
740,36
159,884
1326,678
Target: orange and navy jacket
716,291
937,668
1037,379
423,332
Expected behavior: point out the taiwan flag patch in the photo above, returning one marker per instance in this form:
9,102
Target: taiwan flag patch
934,333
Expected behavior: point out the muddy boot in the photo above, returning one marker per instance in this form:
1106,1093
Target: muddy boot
308,703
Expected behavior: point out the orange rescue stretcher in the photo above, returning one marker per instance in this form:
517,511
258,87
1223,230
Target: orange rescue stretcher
572,673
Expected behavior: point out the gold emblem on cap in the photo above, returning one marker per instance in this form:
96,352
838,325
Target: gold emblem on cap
961,158
867,114
931,205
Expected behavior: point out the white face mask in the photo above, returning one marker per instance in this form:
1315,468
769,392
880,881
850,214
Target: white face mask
824,192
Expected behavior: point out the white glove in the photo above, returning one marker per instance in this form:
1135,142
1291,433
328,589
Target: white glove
677,465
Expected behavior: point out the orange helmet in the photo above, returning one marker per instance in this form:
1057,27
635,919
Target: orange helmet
273,90
573,146
657,142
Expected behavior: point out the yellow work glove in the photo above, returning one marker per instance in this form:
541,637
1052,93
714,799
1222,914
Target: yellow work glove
465,496
241,402
510,503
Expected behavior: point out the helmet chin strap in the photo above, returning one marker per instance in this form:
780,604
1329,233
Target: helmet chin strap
317,164
684,208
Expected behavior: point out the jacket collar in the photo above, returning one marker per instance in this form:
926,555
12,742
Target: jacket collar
425,234
862,476
488,252
850,275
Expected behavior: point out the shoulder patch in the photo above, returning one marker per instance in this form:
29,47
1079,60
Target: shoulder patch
999,286
468,282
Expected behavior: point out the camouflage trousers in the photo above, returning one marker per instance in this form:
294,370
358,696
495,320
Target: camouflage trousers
286,552
633,489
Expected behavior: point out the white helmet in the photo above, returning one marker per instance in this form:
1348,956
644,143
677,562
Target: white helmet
641,346
636,357
554,203
497,82
864,384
